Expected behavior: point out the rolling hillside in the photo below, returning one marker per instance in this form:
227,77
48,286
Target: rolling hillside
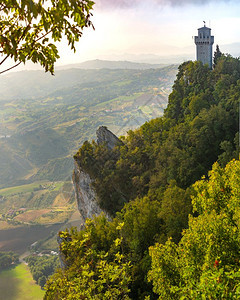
44,119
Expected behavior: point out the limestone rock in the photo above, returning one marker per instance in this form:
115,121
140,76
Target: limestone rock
86,196
85,193
105,136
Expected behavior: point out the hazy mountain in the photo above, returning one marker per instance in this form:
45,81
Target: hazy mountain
109,64
37,84
180,55
234,49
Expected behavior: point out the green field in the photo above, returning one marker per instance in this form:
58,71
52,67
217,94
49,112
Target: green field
37,195
21,189
17,284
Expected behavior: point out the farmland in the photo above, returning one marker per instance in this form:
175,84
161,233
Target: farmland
17,283
20,238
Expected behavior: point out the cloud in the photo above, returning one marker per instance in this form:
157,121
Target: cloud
186,2
117,3
106,4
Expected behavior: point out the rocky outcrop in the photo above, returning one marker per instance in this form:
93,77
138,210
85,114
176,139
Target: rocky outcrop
105,136
86,196
85,193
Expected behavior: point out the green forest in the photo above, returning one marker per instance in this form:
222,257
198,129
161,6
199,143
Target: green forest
8,259
42,267
172,192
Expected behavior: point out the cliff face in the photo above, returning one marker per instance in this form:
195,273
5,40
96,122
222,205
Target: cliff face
86,196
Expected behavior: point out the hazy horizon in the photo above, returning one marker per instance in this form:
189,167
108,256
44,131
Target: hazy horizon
139,31
159,27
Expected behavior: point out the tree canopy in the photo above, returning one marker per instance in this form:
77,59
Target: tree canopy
217,55
205,263
199,127
42,267
8,259
147,185
29,29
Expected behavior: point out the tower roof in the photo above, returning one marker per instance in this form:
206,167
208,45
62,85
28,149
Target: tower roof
204,27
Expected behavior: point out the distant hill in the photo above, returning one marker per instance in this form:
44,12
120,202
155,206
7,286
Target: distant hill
108,64
233,48
37,84
181,55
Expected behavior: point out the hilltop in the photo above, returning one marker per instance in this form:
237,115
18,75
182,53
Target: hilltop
110,64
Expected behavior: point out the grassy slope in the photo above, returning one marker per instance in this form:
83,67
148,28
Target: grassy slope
18,284
21,189
43,202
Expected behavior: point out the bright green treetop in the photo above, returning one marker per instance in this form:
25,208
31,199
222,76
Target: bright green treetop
205,264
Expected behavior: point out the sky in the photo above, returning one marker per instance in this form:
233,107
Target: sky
152,31
139,29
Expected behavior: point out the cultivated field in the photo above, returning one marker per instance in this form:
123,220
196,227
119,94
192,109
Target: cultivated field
31,215
19,239
17,284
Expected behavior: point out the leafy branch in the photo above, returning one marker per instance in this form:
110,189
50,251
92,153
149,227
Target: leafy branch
27,28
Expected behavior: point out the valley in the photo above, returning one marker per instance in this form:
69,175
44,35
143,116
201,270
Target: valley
44,120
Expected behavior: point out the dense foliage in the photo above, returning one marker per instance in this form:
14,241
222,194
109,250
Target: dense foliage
205,264
97,274
150,178
30,29
42,267
8,259
199,127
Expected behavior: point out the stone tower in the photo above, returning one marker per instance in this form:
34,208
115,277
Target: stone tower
204,42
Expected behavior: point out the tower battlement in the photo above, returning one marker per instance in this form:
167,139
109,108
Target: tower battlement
204,41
